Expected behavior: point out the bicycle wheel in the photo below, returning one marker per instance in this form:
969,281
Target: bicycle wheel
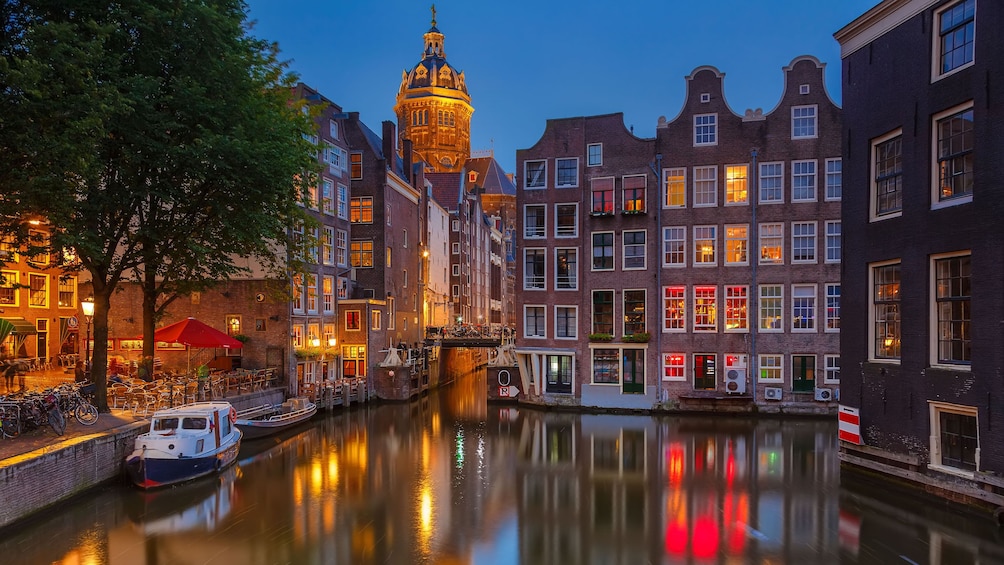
10,427
86,413
57,421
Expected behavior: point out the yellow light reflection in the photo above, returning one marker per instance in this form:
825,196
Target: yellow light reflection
316,479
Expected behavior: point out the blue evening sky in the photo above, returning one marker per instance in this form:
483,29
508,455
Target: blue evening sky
529,61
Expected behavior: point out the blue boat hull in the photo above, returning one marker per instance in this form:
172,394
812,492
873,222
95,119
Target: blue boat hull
152,472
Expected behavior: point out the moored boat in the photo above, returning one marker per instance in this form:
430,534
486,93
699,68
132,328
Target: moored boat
185,443
268,419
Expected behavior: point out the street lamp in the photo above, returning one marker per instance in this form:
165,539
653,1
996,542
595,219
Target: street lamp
87,305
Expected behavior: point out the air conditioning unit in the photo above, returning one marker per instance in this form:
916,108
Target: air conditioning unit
735,381
772,393
824,394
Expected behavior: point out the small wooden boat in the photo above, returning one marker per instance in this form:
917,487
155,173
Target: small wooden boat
185,443
268,419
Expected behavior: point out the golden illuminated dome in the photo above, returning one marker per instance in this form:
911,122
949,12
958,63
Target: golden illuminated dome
434,108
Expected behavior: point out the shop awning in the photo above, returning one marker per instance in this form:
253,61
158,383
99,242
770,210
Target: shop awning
20,326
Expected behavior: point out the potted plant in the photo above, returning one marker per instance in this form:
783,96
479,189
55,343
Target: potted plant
242,338
601,337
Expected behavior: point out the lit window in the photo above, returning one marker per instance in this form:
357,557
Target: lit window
676,187
361,254
356,166
736,238
771,368
674,367
736,302
603,196
675,307
566,269
634,193
705,242
705,309
886,311
361,210
833,307
634,312
352,320
772,243
735,184
955,154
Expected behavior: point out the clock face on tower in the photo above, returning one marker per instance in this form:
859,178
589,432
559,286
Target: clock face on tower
260,297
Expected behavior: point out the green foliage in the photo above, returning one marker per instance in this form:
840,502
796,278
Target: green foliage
601,337
157,139
640,337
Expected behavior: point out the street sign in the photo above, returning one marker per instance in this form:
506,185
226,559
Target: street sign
72,322
508,391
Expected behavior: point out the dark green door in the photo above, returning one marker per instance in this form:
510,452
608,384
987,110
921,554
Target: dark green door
803,373
634,371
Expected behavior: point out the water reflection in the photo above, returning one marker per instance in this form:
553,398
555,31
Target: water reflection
447,479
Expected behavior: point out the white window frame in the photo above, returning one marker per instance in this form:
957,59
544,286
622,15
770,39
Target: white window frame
829,290
624,249
797,174
773,362
936,408
677,178
937,201
833,241
773,167
934,317
574,328
714,245
744,298
328,246
328,196
536,182
797,293
680,246
834,179
557,169
341,247
732,181
705,130
543,317
533,284
536,231
936,65
745,243
590,154
573,277
873,214
675,361
778,326
343,201
613,251
798,236
455,248
805,122
44,292
702,178
779,238
674,293
560,231
831,367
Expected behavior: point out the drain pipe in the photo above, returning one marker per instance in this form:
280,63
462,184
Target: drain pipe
657,169
754,260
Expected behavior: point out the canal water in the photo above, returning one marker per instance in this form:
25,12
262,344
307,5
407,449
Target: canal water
448,479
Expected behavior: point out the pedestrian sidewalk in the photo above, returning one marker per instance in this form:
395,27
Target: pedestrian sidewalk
44,436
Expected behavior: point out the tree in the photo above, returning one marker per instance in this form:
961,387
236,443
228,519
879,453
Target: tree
155,136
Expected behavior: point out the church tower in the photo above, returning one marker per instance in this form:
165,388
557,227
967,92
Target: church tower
434,109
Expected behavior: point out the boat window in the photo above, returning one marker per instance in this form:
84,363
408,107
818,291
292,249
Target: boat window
165,424
194,424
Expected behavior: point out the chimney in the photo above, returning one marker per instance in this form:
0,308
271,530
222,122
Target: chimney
389,143
406,150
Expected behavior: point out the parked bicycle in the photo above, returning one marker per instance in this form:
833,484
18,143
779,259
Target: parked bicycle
73,402
10,419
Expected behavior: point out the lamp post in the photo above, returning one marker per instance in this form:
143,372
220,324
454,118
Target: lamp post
87,306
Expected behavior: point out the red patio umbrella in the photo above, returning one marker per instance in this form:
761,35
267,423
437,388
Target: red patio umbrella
193,333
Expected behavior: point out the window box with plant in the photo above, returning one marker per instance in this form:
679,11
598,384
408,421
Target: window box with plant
640,337
601,337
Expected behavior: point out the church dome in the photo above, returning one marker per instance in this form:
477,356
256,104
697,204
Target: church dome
433,71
